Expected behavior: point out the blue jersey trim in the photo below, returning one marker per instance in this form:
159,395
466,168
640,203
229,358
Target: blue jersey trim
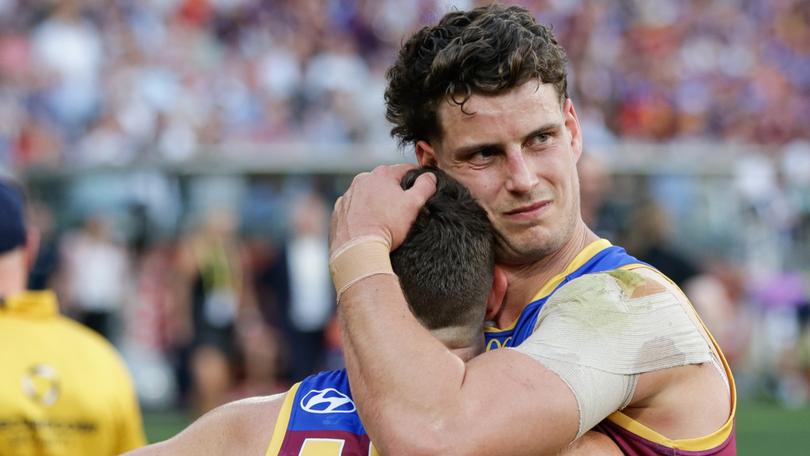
608,259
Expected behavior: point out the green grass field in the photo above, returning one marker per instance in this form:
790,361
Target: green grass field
762,429
768,429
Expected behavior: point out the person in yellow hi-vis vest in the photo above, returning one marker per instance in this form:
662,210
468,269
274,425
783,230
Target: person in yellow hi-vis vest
63,388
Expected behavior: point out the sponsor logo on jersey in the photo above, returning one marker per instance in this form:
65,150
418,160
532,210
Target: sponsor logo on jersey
327,400
41,384
494,344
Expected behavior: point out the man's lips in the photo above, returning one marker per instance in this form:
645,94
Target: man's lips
528,210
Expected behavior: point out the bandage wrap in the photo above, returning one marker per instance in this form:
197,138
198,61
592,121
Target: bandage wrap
358,259
599,339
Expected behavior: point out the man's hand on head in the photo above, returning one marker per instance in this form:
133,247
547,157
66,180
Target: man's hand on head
376,205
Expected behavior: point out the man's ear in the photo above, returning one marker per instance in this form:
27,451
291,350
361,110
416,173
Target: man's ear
425,154
572,123
496,294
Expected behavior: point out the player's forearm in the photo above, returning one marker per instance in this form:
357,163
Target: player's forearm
404,380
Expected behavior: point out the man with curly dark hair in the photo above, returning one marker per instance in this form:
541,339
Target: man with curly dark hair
597,340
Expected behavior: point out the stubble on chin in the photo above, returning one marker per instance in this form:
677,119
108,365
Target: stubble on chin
526,248
519,252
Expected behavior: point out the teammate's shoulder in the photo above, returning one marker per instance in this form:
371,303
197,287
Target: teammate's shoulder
241,414
239,427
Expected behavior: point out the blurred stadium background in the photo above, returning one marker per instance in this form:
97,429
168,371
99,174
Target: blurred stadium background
182,156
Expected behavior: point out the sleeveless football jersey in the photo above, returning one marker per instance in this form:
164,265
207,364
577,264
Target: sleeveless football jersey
632,437
599,256
319,418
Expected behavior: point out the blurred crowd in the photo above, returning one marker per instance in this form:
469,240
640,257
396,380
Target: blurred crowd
215,291
204,317
236,300
89,82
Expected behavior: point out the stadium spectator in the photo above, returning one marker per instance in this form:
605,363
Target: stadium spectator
209,294
301,289
63,389
648,238
286,70
95,274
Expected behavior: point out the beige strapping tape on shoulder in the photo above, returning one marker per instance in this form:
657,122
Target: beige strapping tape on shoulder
358,259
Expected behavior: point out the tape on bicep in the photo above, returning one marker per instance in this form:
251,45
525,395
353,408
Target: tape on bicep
597,393
599,339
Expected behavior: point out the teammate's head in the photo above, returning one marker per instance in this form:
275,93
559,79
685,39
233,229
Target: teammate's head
16,241
487,50
446,263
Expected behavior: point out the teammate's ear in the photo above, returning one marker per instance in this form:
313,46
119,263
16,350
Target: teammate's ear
496,294
425,154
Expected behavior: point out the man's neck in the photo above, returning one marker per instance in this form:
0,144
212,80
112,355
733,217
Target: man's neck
467,353
526,280
458,341
12,276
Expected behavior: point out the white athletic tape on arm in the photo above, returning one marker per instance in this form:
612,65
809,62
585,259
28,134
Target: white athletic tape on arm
358,259
598,393
598,339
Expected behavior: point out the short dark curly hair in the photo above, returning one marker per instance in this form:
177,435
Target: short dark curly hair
486,50
446,263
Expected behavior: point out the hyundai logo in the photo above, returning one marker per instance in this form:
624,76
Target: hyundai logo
327,400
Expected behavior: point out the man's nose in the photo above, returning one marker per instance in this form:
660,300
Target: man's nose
521,178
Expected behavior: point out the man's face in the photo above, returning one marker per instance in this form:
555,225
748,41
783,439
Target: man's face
517,154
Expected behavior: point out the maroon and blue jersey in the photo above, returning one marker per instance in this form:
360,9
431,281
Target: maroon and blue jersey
319,418
632,437
599,256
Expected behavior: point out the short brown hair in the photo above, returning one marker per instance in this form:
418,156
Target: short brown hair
445,265
486,50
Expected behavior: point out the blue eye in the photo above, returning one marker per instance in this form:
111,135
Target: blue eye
539,138
483,155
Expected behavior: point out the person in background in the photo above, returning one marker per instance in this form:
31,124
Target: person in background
648,238
208,298
63,389
297,286
95,271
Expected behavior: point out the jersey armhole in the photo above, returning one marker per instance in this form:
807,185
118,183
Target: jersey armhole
282,421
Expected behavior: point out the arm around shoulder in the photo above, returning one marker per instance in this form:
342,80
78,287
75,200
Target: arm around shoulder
506,403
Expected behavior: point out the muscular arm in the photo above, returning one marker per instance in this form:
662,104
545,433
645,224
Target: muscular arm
415,396
241,427
407,384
